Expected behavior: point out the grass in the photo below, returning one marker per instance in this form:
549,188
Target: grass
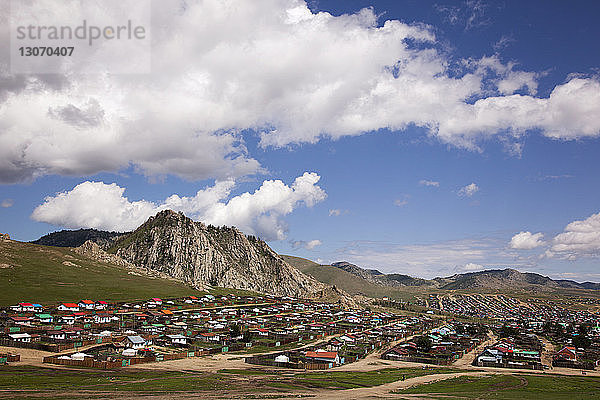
356,379
47,379
44,274
511,387
35,379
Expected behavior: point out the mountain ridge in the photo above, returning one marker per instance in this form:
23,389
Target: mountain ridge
490,278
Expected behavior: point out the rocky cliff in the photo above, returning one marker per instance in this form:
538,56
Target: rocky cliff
202,256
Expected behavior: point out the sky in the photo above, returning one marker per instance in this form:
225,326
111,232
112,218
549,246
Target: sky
419,137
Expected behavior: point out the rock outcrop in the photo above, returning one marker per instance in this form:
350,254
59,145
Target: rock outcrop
202,255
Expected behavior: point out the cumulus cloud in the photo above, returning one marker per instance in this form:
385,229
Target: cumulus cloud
468,190
425,182
579,239
104,206
7,203
274,67
526,241
311,244
428,260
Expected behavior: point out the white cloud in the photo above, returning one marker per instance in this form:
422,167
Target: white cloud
401,202
579,239
311,244
428,260
470,267
275,67
526,241
94,205
103,206
468,190
425,182
336,212
7,203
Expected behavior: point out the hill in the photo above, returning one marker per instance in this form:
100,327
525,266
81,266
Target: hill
374,276
355,279
34,273
76,238
204,255
348,282
506,279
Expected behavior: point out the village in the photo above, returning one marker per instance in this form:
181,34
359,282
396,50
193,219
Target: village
301,334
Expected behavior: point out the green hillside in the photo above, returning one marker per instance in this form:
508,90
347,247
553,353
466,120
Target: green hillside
44,274
345,280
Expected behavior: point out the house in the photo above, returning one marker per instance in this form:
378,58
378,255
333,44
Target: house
568,353
56,335
21,337
67,319
86,305
23,321
134,342
102,318
490,356
323,356
177,339
23,307
44,318
262,332
209,337
153,302
68,307
101,305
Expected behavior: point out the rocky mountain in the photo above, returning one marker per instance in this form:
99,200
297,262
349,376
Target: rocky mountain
377,277
66,238
203,255
368,274
505,279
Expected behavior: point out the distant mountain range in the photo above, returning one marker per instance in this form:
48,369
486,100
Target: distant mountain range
489,279
202,255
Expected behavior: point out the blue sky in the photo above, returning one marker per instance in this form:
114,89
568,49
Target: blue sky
389,178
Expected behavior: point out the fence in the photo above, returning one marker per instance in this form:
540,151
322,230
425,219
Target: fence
537,366
573,364
89,362
58,347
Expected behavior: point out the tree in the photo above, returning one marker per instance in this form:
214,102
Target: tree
423,344
235,331
507,331
584,328
247,337
581,341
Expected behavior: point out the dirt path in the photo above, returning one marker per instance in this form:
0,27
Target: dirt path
468,358
28,356
384,391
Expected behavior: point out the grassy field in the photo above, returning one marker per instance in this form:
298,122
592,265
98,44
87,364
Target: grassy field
511,387
27,381
338,380
34,381
46,275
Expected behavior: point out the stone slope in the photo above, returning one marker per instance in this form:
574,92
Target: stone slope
203,256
